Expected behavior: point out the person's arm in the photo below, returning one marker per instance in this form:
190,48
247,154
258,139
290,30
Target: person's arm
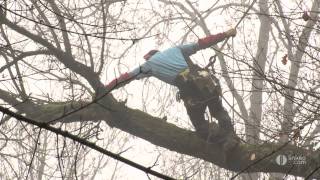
192,48
214,39
125,78
119,81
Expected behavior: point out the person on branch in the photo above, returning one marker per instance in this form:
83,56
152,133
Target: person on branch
172,64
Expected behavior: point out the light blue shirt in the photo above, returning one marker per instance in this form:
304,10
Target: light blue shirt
165,65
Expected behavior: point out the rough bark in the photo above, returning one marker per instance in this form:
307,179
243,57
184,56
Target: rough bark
161,133
169,136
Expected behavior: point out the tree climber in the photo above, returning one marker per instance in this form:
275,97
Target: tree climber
197,87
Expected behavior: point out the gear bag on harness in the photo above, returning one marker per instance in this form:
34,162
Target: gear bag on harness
199,78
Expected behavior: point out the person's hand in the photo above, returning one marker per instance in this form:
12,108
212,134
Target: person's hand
231,32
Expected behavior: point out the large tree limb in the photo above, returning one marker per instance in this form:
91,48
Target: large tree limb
169,136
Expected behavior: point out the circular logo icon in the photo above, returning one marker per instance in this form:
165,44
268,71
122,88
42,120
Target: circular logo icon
281,160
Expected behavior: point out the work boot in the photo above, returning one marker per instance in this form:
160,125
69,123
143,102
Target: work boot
232,141
226,138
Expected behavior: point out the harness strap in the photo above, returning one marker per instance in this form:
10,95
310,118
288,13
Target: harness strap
191,65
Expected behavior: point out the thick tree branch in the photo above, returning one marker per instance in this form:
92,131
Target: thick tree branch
169,136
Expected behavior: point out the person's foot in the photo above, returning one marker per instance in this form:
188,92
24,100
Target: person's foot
231,141
228,139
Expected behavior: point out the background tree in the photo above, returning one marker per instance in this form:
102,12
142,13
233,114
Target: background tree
57,55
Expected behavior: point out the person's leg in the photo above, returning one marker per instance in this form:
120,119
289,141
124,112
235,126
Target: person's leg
211,92
226,135
196,115
211,40
190,96
219,113
203,43
189,49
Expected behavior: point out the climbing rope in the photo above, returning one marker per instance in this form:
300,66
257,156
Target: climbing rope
225,42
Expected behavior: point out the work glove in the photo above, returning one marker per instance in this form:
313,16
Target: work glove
120,81
231,32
